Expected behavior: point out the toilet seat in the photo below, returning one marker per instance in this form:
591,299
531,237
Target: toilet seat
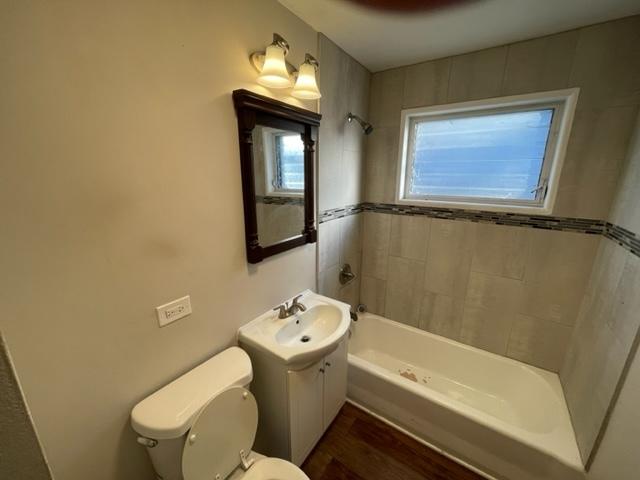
220,440
273,469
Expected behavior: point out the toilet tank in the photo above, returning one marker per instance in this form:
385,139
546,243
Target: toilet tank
167,415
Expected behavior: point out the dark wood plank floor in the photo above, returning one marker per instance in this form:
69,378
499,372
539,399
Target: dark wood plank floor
358,446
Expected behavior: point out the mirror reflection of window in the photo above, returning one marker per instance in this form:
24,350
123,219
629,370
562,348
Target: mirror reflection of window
289,163
279,183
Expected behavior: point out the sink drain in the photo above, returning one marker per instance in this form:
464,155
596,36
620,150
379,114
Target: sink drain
305,338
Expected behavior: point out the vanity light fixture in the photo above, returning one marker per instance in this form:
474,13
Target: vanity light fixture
306,87
274,70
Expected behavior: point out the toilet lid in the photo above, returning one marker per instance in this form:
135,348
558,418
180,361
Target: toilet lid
274,469
226,425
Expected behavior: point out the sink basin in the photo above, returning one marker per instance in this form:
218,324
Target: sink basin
302,338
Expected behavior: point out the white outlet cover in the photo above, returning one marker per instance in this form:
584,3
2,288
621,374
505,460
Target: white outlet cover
172,311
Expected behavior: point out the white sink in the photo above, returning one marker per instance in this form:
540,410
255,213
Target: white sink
302,338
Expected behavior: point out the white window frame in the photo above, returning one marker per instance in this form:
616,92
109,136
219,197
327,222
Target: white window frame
564,104
270,158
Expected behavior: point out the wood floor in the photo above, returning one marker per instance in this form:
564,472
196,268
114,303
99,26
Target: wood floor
358,446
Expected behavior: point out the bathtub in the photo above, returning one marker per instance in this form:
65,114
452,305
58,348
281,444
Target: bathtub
503,418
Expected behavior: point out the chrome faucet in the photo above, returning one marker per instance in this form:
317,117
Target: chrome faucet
285,311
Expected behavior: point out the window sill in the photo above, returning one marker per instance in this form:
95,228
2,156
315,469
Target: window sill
486,207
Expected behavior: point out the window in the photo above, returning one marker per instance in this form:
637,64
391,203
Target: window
284,158
289,164
498,154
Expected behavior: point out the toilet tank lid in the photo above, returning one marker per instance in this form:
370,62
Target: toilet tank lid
170,412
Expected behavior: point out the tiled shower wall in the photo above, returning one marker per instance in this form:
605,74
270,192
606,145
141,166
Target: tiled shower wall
606,332
345,88
512,290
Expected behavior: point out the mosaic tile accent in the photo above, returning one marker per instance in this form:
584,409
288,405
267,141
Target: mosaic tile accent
623,237
336,213
275,200
583,225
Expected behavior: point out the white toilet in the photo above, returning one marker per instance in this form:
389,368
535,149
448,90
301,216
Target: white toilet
202,425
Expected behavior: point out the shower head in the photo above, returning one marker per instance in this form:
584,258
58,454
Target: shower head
367,128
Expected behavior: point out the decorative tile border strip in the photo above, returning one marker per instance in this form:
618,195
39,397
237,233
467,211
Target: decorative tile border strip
623,237
275,200
335,213
566,224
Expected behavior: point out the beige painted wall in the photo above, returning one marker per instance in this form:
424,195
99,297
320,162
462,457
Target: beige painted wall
120,190
20,452
345,88
607,328
510,290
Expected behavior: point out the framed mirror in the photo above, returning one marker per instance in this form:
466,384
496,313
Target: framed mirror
277,157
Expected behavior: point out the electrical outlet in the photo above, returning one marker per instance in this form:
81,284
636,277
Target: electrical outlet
172,311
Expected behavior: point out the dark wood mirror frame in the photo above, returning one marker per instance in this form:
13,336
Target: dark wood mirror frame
253,109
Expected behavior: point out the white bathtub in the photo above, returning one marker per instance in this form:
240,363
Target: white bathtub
507,419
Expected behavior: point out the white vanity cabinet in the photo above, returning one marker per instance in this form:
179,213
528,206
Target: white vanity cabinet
316,395
295,407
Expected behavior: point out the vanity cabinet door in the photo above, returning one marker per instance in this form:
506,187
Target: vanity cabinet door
335,382
305,409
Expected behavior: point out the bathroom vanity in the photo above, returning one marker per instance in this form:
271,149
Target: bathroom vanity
300,374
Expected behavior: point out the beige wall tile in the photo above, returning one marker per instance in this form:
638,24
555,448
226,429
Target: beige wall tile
441,314
373,294
538,342
409,236
404,290
350,293
351,241
607,325
477,75
345,87
330,180
556,274
386,97
352,177
501,250
625,211
607,268
380,165
486,328
594,161
328,244
449,257
375,245
606,65
426,83
328,283
492,292
540,64
358,103
333,75
625,314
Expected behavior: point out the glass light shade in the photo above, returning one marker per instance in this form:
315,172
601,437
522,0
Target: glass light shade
306,87
274,72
